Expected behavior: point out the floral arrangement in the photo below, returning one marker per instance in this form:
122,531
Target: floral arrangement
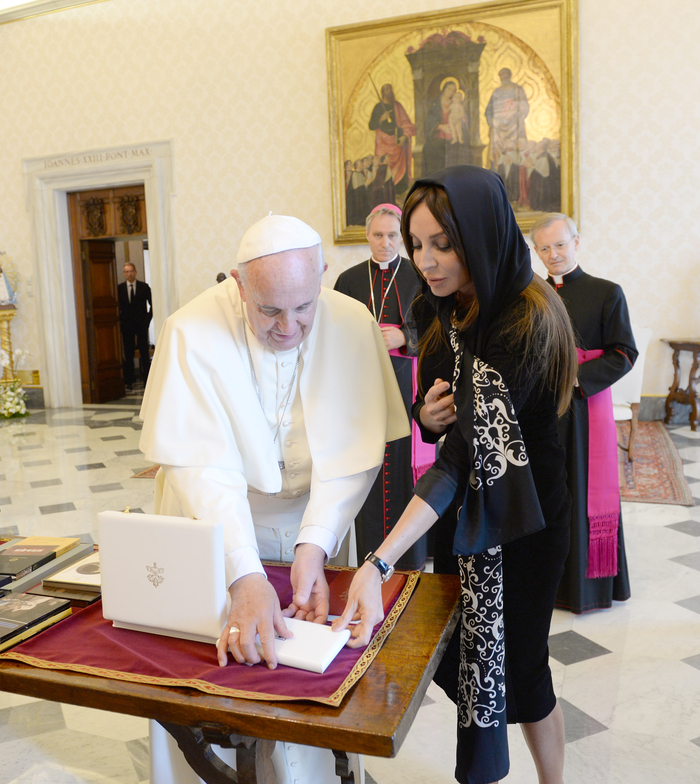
12,395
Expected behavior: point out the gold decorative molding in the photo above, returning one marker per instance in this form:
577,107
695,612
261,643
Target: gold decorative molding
7,313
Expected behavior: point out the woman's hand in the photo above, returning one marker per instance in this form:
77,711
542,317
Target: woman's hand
364,604
439,409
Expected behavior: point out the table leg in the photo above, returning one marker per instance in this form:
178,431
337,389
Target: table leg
674,387
253,755
342,768
692,381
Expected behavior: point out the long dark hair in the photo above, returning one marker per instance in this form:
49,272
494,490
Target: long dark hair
540,330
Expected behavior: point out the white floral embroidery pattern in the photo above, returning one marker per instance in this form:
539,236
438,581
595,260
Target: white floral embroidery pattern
458,360
482,691
497,439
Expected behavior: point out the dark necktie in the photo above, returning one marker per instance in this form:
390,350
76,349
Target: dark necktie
131,291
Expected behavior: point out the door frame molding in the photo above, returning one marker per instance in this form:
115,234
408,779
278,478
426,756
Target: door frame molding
48,180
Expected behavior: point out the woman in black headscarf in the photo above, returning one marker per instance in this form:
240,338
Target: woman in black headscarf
515,367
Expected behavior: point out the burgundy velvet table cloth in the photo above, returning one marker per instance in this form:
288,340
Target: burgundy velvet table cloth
87,643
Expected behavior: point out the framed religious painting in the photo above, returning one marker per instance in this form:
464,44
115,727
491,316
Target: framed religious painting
492,85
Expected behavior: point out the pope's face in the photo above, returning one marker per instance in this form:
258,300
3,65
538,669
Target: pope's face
281,293
384,237
556,247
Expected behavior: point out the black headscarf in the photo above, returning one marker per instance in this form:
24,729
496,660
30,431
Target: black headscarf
497,255
501,502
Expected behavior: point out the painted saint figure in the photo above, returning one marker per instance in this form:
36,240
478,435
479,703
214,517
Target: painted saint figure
393,131
505,113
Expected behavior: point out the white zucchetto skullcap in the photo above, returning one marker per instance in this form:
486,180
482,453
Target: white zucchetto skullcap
275,234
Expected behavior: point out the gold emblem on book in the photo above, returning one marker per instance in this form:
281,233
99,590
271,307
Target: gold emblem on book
155,574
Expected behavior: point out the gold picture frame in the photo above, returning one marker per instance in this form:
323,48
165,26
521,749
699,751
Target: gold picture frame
494,84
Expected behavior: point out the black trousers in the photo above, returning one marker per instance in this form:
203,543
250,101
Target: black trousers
132,336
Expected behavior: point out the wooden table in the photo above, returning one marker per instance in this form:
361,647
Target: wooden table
686,396
374,717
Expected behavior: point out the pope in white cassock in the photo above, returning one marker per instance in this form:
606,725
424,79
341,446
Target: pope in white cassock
268,406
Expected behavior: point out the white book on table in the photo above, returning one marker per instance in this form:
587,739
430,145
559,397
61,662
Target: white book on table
313,647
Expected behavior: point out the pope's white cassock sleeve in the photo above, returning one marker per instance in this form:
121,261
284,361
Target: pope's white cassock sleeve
203,421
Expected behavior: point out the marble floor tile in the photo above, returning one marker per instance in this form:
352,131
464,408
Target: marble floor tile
34,718
67,506
693,661
66,757
690,453
571,648
140,757
692,470
45,483
689,559
578,724
691,603
10,700
622,758
690,527
107,725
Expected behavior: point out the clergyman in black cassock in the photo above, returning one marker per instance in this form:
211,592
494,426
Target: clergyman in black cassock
394,286
600,317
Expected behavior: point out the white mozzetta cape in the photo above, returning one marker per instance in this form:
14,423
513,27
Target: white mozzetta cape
200,408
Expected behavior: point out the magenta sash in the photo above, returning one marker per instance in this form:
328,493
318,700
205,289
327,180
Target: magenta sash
422,454
603,484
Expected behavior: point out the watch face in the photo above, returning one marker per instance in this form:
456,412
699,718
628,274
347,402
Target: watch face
387,574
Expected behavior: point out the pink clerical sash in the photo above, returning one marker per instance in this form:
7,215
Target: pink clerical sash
603,485
422,454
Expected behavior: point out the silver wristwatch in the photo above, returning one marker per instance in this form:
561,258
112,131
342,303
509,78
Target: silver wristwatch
384,569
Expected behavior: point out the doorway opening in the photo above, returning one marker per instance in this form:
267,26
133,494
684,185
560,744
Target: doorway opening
108,230
48,181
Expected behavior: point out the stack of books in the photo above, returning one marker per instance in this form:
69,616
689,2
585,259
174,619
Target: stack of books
80,583
24,562
22,616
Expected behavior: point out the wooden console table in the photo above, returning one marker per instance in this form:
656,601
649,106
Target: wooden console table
686,396
374,718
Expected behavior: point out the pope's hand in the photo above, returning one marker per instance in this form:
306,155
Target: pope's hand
255,608
439,410
365,604
311,594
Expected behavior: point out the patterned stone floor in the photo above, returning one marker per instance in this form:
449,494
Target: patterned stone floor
628,678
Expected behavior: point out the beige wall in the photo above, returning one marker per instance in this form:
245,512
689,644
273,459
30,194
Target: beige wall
241,88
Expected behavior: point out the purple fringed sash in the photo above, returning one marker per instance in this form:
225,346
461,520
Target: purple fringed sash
603,484
422,454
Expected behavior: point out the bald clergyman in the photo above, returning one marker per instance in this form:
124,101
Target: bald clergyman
261,408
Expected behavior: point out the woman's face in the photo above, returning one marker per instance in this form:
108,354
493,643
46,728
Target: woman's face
434,256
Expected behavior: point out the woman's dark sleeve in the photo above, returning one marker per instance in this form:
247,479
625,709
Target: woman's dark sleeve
439,364
445,478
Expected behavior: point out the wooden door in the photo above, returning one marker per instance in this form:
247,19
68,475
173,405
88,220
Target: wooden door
104,345
98,217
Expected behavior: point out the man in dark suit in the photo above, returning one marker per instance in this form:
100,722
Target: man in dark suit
135,314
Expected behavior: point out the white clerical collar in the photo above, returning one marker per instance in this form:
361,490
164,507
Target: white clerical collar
559,279
384,265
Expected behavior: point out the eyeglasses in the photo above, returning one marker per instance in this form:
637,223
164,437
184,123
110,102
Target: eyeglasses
558,247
